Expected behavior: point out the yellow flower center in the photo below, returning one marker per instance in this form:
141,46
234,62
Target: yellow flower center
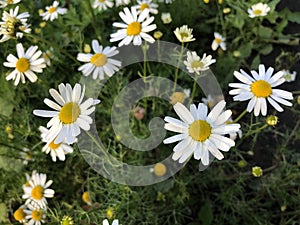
52,9
261,88
22,65
101,0
200,130
19,214
37,192
9,1
160,169
144,6
69,113
54,146
184,35
99,59
110,213
257,12
218,40
134,28
37,215
197,64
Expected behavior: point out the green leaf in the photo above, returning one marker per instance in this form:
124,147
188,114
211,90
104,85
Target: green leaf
8,163
3,213
255,62
265,32
267,49
281,25
273,4
246,50
238,21
7,96
294,17
205,214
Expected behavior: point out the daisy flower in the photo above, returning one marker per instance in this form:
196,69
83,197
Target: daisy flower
122,2
52,11
38,191
14,25
146,4
258,9
99,63
184,34
260,87
200,134
69,115
288,76
25,65
135,27
219,41
115,222
195,64
56,150
103,4
4,3
35,216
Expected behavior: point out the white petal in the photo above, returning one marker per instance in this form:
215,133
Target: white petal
183,113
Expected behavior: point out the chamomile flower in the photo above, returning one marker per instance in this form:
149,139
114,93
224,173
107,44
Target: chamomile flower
201,133
38,191
135,27
103,4
219,41
122,2
115,222
56,150
25,65
14,25
4,3
260,88
99,63
146,4
53,11
289,76
195,64
70,113
184,34
35,216
259,9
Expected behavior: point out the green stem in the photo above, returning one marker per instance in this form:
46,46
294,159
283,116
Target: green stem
177,67
257,130
193,90
93,20
240,116
54,46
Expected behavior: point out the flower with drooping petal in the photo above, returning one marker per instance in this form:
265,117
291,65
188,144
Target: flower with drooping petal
70,114
195,64
219,41
25,65
201,133
102,4
135,27
122,2
14,25
184,34
35,216
289,76
38,190
260,88
166,17
56,150
53,11
259,9
146,4
4,3
100,63
115,222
